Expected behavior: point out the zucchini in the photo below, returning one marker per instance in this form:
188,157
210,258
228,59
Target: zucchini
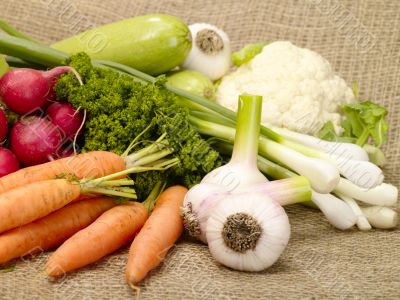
153,44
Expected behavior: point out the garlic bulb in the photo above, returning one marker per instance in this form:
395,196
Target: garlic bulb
247,232
211,51
201,199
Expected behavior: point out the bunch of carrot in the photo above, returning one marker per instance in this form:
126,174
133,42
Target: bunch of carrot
38,212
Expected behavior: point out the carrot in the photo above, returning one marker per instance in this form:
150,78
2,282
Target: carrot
110,231
157,236
51,230
91,164
28,203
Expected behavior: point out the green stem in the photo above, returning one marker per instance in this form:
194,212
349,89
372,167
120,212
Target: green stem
152,157
125,190
135,141
167,162
19,63
7,28
195,107
109,192
125,172
116,182
213,129
31,52
363,137
214,118
150,201
156,146
245,148
128,70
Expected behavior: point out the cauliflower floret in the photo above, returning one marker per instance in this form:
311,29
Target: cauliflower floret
299,88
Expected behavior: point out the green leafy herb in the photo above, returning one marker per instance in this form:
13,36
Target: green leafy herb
247,53
119,109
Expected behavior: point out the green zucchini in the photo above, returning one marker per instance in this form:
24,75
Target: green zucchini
153,44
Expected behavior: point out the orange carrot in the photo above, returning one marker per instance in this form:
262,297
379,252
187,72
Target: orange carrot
28,203
157,236
91,164
110,231
51,230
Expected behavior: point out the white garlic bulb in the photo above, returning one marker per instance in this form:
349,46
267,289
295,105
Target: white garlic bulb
211,51
247,232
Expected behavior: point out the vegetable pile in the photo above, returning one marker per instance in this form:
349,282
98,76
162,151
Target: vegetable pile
111,155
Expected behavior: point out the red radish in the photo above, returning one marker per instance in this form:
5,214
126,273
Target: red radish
3,125
35,140
8,162
26,90
65,117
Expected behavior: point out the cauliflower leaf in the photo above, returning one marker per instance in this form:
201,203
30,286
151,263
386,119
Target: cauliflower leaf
364,120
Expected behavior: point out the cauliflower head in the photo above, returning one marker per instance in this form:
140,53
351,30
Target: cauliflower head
300,90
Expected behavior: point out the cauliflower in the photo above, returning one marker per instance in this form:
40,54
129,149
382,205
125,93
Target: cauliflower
299,88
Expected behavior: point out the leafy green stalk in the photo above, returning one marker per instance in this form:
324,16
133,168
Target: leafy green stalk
247,130
7,28
150,201
19,63
31,51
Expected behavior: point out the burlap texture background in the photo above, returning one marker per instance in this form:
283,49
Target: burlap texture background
362,41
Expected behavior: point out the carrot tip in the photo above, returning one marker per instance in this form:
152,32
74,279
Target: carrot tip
54,270
135,288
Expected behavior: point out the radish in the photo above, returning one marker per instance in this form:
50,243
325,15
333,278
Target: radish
35,140
8,162
3,125
66,118
26,90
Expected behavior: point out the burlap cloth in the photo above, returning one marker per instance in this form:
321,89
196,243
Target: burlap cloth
362,41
